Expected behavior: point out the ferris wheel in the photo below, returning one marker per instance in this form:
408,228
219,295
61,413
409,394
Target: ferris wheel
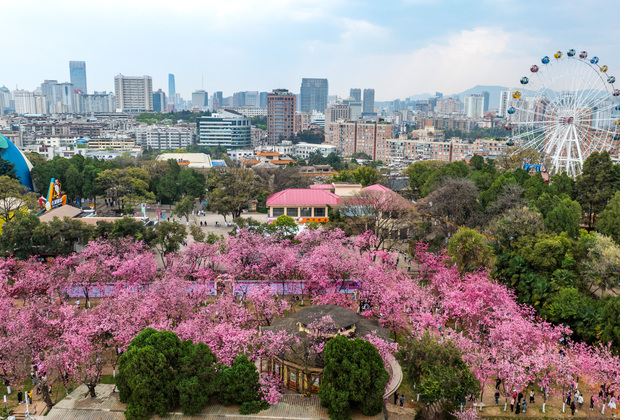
566,108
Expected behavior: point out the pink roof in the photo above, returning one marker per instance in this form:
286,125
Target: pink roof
376,187
322,187
379,195
303,197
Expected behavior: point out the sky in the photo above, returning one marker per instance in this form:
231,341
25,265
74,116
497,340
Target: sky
398,47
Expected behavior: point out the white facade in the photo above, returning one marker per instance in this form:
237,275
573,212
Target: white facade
96,102
228,128
448,106
133,94
24,102
250,111
200,100
164,137
504,99
304,150
474,106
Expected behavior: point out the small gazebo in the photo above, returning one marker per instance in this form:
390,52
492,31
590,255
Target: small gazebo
301,366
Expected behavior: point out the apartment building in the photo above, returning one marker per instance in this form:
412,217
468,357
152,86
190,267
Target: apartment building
358,137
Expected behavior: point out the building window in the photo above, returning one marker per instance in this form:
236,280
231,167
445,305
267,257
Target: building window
277,211
306,212
319,212
292,212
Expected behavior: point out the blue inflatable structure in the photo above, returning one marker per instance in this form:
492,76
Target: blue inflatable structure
10,152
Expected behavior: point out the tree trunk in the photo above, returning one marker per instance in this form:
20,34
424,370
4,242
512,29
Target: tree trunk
45,395
91,389
432,411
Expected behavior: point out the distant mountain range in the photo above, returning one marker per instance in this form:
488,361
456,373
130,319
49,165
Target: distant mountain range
494,92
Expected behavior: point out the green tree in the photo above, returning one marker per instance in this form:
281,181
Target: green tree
534,187
165,238
285,226
419,172
230,191
609,220
192,183
73,182
354,376
13,197
168,190
238,384
184,207
611,326
564,217
129,185
593,186
20,236
561,184
439,373
157,367
469,251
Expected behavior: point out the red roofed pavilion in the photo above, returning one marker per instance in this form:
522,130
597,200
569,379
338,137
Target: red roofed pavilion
304,205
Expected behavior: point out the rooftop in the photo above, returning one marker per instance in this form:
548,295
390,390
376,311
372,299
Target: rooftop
303,197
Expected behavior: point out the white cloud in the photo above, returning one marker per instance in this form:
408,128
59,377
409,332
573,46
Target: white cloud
486,55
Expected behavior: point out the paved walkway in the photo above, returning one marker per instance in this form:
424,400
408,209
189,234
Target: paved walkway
79,406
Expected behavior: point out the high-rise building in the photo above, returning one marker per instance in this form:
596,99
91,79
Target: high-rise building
227,128
358,136
6,100
337,112
133,93
200,100
24,102
252,98
172,91
96,102
164,137
485,95
313,94
238,99
474,106
159,101
263,100
77,73
369,102
504,99
448,106
218,100
60,97
281,106
356,94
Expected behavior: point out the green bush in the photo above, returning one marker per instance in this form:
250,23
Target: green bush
253,407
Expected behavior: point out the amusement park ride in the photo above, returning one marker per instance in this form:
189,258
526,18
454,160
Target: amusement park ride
565,109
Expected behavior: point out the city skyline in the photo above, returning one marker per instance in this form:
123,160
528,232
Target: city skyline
402,48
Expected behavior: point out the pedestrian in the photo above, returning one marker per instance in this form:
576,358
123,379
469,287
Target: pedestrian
591,402
568,398
30,397
531,396
20,397
77,303
580,401
573,407
496,397
395,398
520,397
402,400
524,406
512,404
518,409
498,382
